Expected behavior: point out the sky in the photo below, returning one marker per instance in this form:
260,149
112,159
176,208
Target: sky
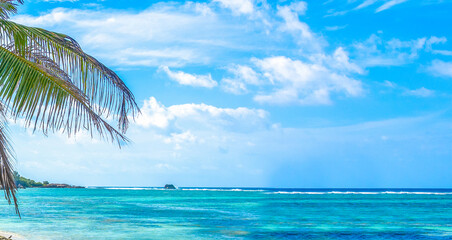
256,93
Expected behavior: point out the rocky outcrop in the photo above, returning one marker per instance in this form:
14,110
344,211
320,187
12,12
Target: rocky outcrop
170,186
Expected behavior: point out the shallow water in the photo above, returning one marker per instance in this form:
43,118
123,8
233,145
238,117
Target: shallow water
144,213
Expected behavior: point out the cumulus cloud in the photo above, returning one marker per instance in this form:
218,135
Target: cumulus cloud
190,79
200,116
242,76
303,83
284,80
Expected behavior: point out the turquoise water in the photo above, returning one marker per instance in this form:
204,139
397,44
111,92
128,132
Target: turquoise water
230,214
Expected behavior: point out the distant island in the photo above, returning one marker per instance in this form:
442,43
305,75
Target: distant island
170,186
22,182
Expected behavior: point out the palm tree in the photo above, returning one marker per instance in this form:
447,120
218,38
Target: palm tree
47,81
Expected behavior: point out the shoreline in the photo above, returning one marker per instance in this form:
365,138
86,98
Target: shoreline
14,236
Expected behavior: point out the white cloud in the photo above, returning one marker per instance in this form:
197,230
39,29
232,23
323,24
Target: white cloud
421,92
365,4
442,52
242,76
225,158
434,40
389,4
238,7
164,34
389,84
335,28
247,74
190,79
300,7
186,136
234,86
440,68
181,138
200,116
283,80
339,61
303,83
303,34
377,52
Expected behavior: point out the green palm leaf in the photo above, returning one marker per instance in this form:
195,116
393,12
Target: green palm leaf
95,80
45,101
8,7
7,181
47,80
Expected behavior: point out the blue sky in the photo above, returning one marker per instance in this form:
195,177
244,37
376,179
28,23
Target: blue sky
334,93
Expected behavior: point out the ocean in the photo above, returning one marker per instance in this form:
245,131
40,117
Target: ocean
209,213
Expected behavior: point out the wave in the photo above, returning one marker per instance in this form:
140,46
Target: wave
222,189
422,193
188,189
271,191
134,188
364,193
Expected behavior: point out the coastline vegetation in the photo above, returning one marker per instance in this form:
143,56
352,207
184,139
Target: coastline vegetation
23,182
27,183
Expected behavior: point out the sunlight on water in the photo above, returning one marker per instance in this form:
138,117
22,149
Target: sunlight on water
147,213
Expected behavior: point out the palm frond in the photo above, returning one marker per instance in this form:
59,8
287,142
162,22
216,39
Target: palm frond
105,90
7,181
8,7
47,101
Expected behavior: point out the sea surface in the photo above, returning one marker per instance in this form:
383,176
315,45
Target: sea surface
208,213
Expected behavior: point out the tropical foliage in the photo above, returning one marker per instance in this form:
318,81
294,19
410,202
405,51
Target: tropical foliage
27,183
50,84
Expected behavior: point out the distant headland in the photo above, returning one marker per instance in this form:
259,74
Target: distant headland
22,182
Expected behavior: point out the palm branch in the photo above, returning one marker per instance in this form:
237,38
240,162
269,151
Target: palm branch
47,80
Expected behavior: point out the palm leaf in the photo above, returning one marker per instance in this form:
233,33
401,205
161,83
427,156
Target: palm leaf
106,91
47,80
47,101
8,7
7,181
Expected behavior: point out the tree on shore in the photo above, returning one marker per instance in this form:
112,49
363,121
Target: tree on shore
50,84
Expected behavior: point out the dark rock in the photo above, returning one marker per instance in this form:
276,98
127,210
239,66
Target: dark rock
170,186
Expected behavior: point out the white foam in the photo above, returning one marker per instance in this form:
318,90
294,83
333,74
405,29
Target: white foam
125,188
364,193
221,190
14,236
421,193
